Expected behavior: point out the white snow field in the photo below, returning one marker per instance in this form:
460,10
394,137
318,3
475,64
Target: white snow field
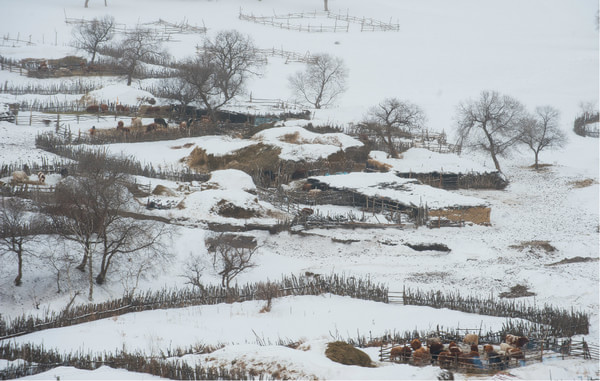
542,52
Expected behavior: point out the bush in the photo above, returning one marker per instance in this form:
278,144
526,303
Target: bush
346,354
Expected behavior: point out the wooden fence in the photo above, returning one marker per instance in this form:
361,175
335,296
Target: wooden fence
337,22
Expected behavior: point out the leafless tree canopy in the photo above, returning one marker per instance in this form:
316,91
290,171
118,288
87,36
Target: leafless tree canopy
321,82
18,227
139,45
230,257
90,37
220,72
91,209
541,130
393,118
491,123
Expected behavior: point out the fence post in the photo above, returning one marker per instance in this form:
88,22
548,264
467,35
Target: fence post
30,116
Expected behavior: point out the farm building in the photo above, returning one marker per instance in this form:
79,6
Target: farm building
386,190
441,170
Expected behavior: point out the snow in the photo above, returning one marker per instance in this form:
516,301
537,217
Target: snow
405,191
307,145
421,160
102,373
538,51
119,94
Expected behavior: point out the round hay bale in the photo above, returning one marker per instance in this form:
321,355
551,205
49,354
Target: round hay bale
161,190
346,354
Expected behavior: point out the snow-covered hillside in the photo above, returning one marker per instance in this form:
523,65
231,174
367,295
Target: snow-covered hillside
542,52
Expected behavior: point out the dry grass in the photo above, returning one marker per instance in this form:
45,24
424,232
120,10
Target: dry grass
582,183
377,165
573,260
247,159
293,138
478,215
535,246
186,145
517,291
161,190
346,354
227,209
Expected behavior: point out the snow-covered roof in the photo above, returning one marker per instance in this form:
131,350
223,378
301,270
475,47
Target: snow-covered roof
421,160
119,94
405,191
297,143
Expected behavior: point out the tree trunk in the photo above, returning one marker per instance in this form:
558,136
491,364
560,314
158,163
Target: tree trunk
20,269
105,3
536,160
86,3
496,163
325,6
91,278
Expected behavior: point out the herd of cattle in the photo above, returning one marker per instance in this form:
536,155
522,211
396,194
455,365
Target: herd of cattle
435,352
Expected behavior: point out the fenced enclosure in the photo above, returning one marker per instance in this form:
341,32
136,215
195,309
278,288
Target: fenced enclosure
204,295
333,22
557,322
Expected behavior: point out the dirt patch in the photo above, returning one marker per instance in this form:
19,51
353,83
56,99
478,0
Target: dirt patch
293,138
582,183
517,291
227,209
429,246
344,241
478,215
573,260
346,354
533,246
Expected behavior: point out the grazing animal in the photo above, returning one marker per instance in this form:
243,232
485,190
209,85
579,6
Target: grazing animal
306,187
120,124
104,107
19,177
516,341
402,352
92,131
421,356
121,108
160,122
471,358
305,212
493,358
151,127
183,126
136,122
445,359
92,108
41,177
314,192
471,338
435,346
505,347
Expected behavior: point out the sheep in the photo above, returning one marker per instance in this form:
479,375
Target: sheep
471,338
19,177
120,124
314,192
136,122
183,125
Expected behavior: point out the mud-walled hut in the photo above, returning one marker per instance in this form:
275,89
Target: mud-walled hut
376,190
441,170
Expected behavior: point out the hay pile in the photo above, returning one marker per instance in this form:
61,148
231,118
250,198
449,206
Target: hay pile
477,215
346,354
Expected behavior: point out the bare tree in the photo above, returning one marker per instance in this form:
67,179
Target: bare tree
323,80
231,257
393,118
91,36
193,271
221,71
179,89
91,209
541,130
18,227
492,123
138,46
